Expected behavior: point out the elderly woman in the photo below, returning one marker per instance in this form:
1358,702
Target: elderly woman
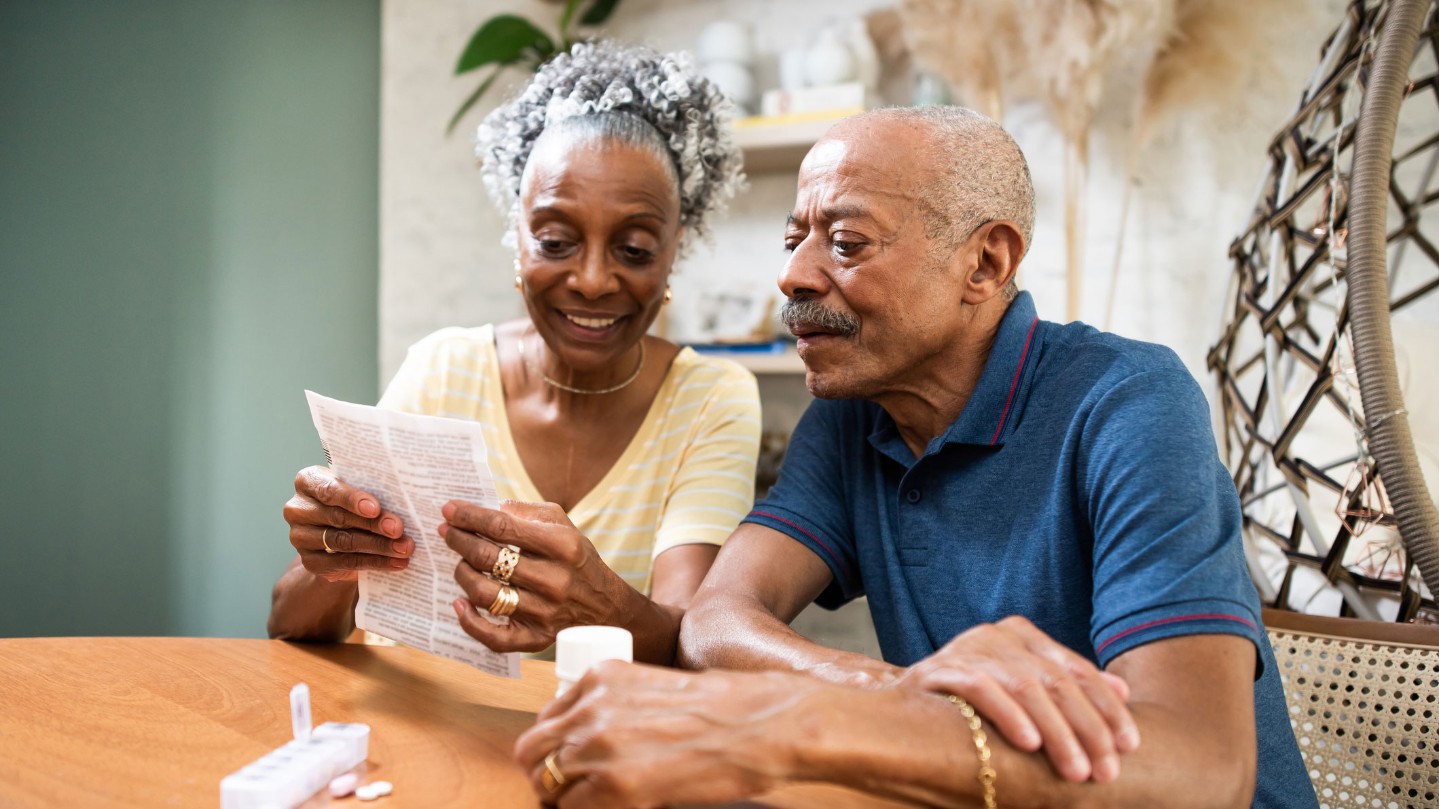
624,460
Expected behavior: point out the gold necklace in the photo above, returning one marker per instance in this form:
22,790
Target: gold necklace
639,366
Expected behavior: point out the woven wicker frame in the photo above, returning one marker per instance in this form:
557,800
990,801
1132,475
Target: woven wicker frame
1284,353
1365,710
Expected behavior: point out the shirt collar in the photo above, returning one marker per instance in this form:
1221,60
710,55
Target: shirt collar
988,416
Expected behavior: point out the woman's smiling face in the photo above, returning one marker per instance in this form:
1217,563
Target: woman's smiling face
598,234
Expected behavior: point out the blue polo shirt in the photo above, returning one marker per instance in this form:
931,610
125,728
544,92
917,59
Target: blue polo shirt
1080,487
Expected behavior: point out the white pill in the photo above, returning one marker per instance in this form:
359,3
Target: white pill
382,788
366,793
343,785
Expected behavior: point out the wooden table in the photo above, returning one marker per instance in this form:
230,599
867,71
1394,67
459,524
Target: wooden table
150,722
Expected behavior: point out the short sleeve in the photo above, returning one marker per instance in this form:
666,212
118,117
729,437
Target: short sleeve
808,502
1168,559
713,487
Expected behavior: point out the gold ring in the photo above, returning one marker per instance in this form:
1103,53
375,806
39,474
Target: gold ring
325,541
507,600
505,563
551,776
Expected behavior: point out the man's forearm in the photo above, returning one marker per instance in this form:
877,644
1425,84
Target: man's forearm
736,632
913,746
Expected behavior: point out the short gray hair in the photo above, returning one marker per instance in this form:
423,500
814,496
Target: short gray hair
628,90
980,173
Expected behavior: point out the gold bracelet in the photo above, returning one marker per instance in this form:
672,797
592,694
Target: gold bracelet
981,744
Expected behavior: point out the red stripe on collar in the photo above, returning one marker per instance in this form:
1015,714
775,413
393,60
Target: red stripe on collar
1013,386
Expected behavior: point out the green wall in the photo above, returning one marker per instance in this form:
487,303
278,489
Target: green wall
188,239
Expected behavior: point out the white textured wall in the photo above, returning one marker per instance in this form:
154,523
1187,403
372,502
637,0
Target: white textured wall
440,258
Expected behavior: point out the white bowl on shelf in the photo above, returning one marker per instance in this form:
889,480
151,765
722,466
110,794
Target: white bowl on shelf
725,41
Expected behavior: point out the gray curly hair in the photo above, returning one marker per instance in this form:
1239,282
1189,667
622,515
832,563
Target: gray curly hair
600,81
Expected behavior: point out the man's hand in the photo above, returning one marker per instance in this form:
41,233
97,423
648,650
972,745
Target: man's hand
1038,694
629,736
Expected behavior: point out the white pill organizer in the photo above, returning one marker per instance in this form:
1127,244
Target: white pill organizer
289,775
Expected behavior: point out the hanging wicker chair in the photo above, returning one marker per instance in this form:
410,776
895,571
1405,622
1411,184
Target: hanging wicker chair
1316,431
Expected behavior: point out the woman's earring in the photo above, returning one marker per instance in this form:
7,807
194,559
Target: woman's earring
519,284
668,295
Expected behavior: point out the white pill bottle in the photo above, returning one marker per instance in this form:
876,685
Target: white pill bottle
579,647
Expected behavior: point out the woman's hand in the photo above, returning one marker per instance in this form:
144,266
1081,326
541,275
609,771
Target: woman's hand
326,511
634,736
1036,693
560,578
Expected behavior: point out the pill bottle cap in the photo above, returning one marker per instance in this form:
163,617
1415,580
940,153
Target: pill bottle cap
580,647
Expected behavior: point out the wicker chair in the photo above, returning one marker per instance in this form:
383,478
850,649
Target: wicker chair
1364,702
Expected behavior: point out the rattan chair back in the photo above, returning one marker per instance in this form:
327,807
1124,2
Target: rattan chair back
1364,703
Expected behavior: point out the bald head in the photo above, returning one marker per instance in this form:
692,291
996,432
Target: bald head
966,169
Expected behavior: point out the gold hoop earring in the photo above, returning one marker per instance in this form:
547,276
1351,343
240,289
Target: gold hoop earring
669,295
519,285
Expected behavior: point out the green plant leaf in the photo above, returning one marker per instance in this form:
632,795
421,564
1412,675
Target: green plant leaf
600,11
474,97
571,6
502,39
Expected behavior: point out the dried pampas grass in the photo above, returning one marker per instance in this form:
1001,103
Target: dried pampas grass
971,44
1059,51
896,63
1207,55
1075,44
1203,59
1196,53
1080,42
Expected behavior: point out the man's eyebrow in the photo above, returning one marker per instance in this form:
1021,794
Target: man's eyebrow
837,212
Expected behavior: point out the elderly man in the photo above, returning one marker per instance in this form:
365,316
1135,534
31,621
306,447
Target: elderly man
1023,503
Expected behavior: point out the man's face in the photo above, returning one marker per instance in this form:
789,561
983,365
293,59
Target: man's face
872,299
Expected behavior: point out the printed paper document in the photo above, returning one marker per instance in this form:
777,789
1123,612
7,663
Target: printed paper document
414,465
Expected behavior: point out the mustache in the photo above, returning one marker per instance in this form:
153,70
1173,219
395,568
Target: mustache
798,313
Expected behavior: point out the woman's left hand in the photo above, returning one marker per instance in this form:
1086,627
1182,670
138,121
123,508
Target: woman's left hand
560,578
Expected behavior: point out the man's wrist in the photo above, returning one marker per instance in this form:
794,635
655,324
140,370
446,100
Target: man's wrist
892,742
847,736
855,671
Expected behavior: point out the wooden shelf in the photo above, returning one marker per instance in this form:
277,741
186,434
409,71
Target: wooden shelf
786,363
780,144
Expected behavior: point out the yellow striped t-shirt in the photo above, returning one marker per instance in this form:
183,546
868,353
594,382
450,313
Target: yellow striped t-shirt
686,477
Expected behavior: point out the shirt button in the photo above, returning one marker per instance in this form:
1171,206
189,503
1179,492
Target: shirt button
913,496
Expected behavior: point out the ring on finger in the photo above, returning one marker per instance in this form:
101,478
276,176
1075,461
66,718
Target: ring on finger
504,566
552,776
507,600
324,540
